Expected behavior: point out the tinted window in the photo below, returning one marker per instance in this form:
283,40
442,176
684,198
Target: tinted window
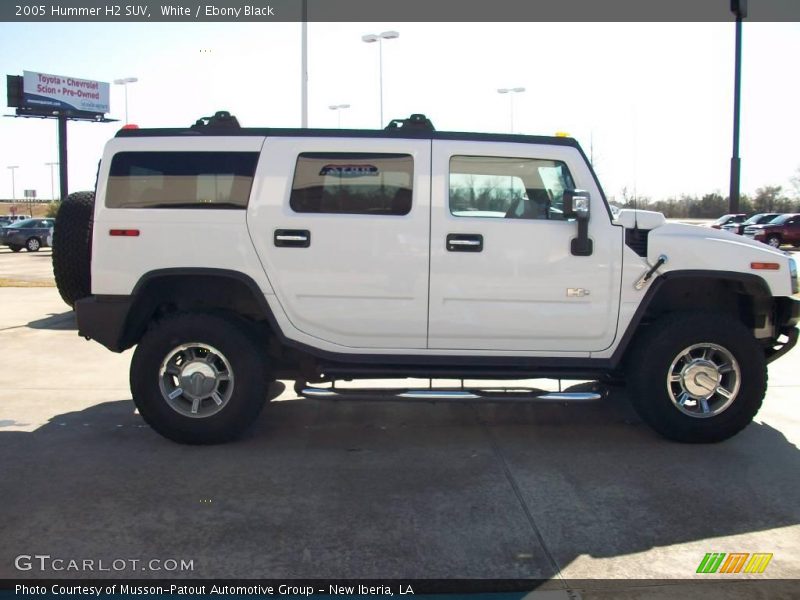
181,179
508,188
350,183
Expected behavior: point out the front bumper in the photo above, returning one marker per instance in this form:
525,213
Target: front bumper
787,315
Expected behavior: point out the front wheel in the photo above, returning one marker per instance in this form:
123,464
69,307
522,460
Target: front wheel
199,378
697,377
774,241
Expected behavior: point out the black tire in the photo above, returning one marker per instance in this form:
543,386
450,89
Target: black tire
33,245
234,341
774,241
649,367
72,247
15,248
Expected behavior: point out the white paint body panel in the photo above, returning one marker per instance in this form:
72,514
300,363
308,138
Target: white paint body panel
363,281
513,294
365,286
170,237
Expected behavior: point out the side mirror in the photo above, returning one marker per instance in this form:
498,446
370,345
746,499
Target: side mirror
576,206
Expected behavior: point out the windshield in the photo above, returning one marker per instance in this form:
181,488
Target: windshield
25,223
762,218
722,219
780,219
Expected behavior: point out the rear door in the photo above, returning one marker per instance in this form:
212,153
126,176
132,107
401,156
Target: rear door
341,226
503,276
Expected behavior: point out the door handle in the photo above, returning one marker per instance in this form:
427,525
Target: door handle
464,242
292,238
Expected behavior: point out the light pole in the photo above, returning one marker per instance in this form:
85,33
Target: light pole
339,108
124,83
369,39
511,92
739,8
52,185
13,183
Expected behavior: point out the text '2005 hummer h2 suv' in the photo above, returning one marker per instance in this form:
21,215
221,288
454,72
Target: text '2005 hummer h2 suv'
233,257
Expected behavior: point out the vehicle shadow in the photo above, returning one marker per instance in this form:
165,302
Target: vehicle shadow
347,489
62,322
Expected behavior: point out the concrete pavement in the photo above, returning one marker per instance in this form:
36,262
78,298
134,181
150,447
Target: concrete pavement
583,496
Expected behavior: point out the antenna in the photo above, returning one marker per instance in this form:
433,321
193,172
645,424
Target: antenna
635,155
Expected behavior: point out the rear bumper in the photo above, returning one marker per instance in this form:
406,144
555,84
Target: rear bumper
103,318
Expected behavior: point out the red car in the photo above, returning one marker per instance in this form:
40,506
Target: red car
784,229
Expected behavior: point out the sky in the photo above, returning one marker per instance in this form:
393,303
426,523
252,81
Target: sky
651,102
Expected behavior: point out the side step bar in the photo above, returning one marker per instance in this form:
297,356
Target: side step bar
431,395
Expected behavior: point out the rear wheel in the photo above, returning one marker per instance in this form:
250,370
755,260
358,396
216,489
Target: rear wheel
774,241
697,377
33,245
199,378
15,248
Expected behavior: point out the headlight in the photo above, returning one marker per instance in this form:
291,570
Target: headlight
793,275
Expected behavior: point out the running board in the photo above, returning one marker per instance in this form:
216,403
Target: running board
518,395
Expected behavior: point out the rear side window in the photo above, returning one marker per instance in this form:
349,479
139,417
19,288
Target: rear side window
181,179
352,183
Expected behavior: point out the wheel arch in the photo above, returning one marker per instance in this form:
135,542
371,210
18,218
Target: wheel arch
745,296
166,291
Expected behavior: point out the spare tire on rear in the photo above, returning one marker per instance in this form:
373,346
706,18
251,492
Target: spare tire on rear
72,247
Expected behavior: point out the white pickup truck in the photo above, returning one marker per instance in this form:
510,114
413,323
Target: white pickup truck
233,256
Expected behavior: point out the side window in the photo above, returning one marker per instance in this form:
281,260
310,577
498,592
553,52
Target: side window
181,179
508,188
352,183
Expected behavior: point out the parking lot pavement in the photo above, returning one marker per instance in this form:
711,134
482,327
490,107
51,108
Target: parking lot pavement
352,489
26,268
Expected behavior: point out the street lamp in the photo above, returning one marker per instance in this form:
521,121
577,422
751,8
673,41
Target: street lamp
52,185
371,38
739,8
124,82
339,108
511,92
13,183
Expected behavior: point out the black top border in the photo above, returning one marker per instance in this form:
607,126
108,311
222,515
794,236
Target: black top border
400,133
441,11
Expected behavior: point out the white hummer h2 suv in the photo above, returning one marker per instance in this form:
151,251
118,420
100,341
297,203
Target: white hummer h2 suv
232,257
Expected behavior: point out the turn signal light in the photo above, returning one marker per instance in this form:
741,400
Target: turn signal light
765,266
124,232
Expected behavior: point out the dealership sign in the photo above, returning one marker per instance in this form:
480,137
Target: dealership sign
41,90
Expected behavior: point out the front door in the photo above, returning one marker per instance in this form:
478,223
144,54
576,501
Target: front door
503,277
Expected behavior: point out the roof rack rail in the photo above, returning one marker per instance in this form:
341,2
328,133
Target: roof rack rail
221,119
415,121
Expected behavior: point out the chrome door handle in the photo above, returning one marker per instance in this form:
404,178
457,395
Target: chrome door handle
464,242
292,238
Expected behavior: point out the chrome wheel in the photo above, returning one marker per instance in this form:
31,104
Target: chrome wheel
196,380
703,380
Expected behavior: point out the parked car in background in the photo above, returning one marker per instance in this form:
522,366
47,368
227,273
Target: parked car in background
784,229
758,219
31,234
11,219
726,219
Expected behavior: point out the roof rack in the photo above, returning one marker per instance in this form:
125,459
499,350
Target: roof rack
415,121
221,119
